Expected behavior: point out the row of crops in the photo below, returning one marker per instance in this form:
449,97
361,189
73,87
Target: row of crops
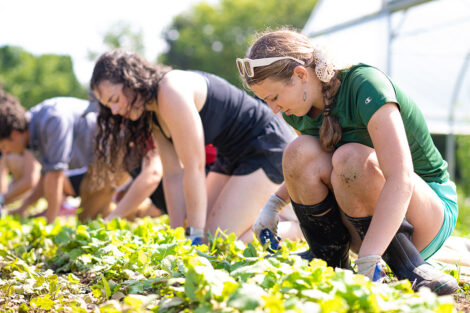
145,266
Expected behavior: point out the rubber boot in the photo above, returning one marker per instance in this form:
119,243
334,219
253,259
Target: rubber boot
327,237
406,262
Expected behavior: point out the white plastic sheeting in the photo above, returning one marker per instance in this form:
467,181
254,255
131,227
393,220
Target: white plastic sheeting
425,48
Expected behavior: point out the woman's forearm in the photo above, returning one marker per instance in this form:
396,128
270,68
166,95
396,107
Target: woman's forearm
195,195
283,193
175,203
389,213
140,189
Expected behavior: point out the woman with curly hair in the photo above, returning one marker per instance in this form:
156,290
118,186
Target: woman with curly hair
365,172
147,108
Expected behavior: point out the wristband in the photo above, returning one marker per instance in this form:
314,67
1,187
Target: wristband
274,204
2,200
195,232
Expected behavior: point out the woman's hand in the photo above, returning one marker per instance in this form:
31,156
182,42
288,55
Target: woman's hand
265,226
370,266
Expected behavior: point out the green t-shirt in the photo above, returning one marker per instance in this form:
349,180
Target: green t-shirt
364,89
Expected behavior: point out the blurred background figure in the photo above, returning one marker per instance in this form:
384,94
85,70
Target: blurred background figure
19,173
127,196
60,133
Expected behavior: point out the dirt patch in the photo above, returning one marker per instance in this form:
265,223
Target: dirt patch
462,303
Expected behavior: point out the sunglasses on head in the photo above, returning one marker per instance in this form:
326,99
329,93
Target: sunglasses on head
246,66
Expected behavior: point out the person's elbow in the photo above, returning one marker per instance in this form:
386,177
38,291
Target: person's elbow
405,178
408,181
30,183
153,177
198,165
33,179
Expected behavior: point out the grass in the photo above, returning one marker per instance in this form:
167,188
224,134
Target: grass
463,222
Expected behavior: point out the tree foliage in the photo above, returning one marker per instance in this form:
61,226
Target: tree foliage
124,36
210,37
35,78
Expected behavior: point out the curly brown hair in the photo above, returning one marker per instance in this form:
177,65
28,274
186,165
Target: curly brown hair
289,42
117,135
12,115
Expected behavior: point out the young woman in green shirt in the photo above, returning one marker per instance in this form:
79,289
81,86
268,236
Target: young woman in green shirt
364,173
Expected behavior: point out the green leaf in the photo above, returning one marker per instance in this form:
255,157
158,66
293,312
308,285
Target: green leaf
43,302
82,232
250,251
73,279
247,297
107,289
23,308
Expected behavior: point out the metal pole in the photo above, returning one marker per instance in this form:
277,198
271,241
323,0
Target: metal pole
389,43
450,140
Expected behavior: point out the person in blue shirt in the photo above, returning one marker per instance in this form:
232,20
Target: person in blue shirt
61,138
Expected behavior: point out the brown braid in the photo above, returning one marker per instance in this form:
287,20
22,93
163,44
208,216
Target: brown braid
330,130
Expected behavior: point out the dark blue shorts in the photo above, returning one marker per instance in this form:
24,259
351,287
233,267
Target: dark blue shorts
264,151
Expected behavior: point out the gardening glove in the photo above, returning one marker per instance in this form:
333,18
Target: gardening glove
370,266
196,235
265,226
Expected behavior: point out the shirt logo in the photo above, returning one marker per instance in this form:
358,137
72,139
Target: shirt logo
368,100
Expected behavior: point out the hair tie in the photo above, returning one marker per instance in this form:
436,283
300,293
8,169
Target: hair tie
327,110
324,65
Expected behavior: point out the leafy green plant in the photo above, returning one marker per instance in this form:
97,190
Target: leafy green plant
145,266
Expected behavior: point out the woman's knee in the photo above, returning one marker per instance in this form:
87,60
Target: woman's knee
303,155
352,163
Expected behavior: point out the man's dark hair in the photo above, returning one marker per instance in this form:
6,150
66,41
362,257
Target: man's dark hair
12,115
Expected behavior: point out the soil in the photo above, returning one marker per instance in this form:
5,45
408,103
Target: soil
462,303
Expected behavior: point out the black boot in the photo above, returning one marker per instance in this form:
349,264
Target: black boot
327,237
406,262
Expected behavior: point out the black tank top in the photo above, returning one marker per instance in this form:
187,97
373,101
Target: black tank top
230,117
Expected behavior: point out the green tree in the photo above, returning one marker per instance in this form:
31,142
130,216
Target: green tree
210,37
35,78
122,35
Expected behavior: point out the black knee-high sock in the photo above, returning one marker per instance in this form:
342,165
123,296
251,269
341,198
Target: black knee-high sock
324,231
405,261
401,255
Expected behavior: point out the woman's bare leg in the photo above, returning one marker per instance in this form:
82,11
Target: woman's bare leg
239,203
358,181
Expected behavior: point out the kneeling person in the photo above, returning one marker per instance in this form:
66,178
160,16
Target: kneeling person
59,135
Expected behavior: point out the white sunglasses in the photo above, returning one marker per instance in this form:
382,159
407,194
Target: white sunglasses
247,66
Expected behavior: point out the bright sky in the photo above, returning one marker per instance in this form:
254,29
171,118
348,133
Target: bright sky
75,27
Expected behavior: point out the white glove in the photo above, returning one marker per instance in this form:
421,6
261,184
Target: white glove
268,218
370,266
196,235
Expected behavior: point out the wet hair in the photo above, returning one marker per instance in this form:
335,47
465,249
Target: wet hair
12,115
117,135
289,42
